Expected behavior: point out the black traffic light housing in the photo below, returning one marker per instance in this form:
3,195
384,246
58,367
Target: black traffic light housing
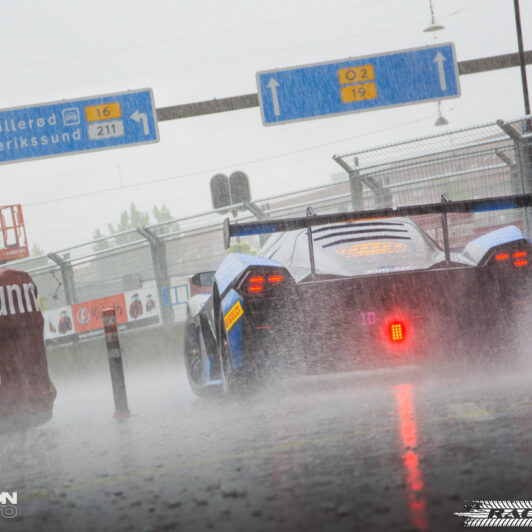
230,191
220,194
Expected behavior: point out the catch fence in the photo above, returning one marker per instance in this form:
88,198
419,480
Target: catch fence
492,159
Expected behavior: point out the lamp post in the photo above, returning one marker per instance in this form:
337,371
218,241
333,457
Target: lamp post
441,120
433,26
521,56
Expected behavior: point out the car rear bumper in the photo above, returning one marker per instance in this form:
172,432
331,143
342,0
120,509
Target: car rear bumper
348,323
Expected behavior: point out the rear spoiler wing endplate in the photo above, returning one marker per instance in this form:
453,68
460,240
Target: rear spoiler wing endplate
444,208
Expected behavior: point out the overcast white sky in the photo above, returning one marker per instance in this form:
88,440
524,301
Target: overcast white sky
192,51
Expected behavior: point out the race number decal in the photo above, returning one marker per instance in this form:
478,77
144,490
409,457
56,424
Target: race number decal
368,318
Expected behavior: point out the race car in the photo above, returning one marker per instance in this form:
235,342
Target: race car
26,392
356,290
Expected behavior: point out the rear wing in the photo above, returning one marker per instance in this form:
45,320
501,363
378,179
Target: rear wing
445,207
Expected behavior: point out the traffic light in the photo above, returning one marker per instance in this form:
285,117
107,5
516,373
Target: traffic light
239,187
220,194
229,191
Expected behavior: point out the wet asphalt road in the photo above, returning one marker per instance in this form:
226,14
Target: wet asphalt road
388,450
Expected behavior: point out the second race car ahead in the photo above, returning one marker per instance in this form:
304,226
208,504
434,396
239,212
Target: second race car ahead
352,290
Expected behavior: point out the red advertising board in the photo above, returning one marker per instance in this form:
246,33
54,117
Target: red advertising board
88,315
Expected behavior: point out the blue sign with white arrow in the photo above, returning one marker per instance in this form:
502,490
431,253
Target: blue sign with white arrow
73,126
358,84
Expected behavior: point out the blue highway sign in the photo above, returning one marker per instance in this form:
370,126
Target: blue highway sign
73,126
358,84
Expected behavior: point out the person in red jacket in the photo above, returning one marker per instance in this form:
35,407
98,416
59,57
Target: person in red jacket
26,391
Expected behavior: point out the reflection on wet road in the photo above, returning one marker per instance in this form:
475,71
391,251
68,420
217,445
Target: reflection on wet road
388,450
414,477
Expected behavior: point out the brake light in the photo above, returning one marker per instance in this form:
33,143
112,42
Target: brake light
397,331
520,255
258,284
502,256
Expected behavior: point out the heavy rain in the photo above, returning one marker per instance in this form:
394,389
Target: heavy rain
209,324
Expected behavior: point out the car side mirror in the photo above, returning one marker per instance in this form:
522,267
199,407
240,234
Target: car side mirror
201,283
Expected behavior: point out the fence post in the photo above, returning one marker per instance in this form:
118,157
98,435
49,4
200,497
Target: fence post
260,214
523,156
67,274
160,269
355,182
115,362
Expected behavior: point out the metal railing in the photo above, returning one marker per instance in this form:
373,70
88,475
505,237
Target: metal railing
485,160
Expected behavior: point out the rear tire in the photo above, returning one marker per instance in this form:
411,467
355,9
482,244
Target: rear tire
235,382
194,363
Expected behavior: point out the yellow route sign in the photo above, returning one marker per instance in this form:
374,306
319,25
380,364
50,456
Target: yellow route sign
357,93
356,74
107,111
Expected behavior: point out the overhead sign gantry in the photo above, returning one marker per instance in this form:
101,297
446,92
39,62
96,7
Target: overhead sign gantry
358,84
81,125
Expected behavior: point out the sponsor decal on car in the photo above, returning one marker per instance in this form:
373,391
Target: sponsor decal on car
390,268
371,248
232,316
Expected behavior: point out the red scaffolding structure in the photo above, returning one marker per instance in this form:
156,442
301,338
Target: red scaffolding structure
13,241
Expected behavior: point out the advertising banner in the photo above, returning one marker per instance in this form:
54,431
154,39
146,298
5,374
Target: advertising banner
80,321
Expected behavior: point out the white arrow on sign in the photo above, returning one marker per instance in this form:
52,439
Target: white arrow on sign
441,71
272,85
138,117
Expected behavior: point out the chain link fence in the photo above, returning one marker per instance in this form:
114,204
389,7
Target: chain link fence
492,159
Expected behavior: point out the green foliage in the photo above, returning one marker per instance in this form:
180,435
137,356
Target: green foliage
162,215
242,247
99,246
131,219
36,250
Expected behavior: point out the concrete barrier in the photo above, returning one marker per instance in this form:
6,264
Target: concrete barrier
142,348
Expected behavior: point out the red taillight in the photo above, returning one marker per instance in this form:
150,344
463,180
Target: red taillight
519,254
502,256
262,284
520,263
397,331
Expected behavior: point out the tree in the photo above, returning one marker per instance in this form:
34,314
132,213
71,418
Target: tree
36,250
103,244
163,215
242,247
131,219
